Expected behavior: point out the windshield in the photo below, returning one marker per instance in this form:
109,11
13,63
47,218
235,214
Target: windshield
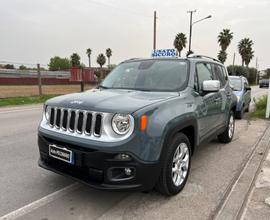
236,83
148,75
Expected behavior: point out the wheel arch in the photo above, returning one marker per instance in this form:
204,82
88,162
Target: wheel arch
187,126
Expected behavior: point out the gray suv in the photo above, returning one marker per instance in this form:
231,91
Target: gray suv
139,128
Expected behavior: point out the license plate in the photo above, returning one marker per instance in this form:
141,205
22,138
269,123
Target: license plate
61,153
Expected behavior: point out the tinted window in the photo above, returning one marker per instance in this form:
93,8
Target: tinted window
219,75
154,75
204,72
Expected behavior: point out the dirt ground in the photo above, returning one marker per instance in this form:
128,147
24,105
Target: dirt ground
29,90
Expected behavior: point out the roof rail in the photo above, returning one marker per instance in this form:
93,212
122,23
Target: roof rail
135,58
202,56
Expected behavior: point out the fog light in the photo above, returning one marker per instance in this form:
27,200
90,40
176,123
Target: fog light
128,171
121,173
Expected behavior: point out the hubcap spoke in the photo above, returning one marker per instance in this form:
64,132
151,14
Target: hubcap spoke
231,127
180,164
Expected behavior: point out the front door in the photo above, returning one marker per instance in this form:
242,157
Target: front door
209,104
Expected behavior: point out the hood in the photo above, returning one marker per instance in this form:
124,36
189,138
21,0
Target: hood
110,100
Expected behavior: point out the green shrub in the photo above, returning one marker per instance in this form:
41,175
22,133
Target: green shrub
260,107
249,73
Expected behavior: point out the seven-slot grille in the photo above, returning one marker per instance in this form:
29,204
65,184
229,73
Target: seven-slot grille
80,121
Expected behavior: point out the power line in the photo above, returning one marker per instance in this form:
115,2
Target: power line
21,63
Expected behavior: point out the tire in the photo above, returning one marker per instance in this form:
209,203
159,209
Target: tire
172,182
227,135
239,115
247,109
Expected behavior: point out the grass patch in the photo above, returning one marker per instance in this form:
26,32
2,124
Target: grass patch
260,108
25,100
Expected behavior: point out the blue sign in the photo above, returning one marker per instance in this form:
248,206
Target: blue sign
164,53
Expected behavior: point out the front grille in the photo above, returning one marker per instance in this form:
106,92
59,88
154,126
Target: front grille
79,121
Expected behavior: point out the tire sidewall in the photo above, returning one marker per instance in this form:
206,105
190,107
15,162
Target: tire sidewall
172,188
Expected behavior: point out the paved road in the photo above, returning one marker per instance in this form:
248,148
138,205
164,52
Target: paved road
50,196
256,93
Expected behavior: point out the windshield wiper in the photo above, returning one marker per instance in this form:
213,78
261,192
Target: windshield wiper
103,87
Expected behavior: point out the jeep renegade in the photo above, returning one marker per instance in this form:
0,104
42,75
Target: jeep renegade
139,128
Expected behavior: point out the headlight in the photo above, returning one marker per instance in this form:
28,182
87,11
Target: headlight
122,123
47,112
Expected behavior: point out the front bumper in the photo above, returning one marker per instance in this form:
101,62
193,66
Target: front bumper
100,169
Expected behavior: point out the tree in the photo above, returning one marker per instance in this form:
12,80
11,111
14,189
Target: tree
249,73
22,67
75,60
58,63
222,56
89,52
101,59
224,39
246,51
9,66
180,42
109,54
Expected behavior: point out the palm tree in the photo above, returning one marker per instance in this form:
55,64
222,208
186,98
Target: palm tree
180,42
245,50
249,57
224,39
222,56
109,54
89,52
75,60
101,60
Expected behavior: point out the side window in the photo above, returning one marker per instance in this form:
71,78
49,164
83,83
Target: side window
225,73
204,72
219,75
245,83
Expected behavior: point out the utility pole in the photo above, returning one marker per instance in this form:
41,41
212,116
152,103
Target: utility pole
155,31
257,71
39,80
190,28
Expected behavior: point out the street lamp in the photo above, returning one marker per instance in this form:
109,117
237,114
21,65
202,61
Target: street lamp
191,24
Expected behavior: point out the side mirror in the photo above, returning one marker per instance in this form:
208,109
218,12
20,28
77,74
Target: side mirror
211,86
248,88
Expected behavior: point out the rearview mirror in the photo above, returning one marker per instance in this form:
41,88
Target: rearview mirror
211,85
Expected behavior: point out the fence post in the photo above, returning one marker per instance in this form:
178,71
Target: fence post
267,114
39,80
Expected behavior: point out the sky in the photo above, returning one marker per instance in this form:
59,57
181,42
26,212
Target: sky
33,31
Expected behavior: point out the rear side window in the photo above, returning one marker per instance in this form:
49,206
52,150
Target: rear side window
225,73
204,72
219,75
